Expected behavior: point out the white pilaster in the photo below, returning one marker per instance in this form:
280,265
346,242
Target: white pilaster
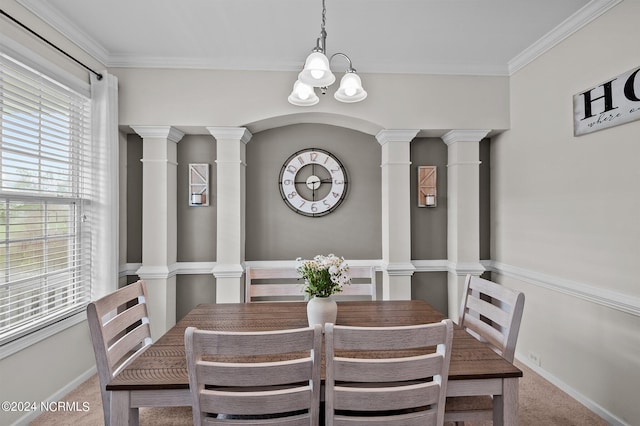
397,268
159,222
231,193
463,211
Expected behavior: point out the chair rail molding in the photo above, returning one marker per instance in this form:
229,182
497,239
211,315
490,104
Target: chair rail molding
147,272
205,268
399,268
611,299
229,270
464,268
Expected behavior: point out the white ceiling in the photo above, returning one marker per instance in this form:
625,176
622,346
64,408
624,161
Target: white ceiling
484,37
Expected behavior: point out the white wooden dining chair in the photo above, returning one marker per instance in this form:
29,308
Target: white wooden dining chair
285,284
492,314
266,387
364,387
120,331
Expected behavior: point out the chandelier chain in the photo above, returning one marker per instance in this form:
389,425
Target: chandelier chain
324,15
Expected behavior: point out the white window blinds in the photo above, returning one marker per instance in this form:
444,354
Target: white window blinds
45,242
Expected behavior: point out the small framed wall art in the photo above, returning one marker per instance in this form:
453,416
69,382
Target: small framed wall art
427,194
199,184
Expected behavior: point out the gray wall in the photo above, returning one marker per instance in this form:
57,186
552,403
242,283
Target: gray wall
134,199
429,225
275,232
196,225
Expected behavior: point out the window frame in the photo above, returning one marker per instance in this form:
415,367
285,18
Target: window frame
77,315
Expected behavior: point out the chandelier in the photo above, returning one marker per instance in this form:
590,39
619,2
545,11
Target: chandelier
317,74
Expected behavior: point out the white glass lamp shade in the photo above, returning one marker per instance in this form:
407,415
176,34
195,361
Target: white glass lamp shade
316,71
303,95
350,89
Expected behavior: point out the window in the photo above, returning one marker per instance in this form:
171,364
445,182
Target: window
45,244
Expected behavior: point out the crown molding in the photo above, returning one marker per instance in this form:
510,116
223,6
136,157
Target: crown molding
454,136
60,23
162,132
49,14
396,135
231,133
582,17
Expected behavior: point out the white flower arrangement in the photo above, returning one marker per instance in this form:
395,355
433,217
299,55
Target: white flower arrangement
323,275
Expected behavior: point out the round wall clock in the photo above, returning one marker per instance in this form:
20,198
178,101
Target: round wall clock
313,182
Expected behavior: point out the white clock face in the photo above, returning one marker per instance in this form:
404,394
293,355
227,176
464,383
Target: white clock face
313,182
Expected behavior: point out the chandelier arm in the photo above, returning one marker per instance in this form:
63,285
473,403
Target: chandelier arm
350,69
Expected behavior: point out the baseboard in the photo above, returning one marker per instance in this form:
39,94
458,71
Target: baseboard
57,396
609,417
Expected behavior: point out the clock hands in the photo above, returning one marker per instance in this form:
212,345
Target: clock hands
328,180
323,186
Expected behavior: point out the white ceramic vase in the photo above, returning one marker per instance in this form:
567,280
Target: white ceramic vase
321,310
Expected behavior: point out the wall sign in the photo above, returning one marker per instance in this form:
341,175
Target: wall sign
198,185
614,102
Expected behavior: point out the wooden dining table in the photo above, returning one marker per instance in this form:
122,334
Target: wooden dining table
159,378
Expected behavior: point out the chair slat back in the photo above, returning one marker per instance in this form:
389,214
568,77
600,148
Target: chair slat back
365,387
270,377
285,284
492,313
120,331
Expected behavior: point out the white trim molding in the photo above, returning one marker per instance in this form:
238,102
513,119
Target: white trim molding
231,270
129,269
399,268
396,135
157,272
611,299
437,265
58,396
195,268
231,133
206,268
161,132
454,136
464,268
609,417
50,15
582,17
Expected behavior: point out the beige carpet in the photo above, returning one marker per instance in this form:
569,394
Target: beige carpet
541,404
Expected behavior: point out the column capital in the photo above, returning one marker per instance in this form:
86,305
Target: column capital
396,135
162,132
233,133
454,136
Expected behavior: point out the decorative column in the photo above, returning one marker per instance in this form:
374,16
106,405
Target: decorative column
159,222
463,211
231,193
397,268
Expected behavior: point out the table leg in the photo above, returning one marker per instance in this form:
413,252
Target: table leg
121,411
505,406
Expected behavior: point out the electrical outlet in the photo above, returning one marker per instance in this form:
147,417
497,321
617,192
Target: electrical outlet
535,358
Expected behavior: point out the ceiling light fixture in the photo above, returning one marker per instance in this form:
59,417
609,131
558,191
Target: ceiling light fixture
317,73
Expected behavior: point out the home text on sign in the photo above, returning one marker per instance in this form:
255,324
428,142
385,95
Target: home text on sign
609,104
